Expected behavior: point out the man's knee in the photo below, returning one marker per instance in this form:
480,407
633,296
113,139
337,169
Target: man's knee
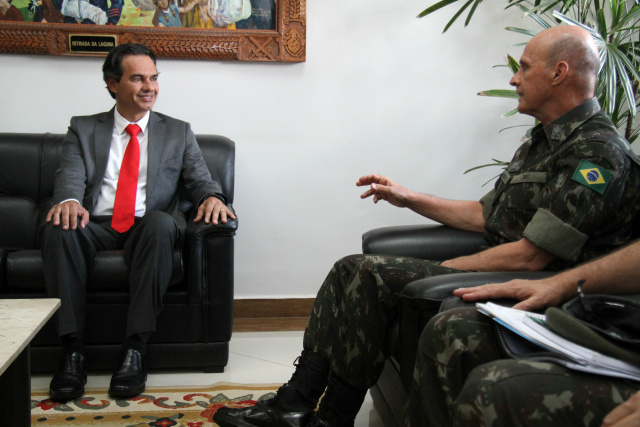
55,235
351,260
158,223
155,233
449,332
159,219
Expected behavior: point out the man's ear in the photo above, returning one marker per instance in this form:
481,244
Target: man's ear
111,84
560,71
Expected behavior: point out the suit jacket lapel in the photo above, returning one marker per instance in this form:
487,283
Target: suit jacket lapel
101,147
155,146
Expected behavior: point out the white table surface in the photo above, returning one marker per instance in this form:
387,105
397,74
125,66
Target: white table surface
20,321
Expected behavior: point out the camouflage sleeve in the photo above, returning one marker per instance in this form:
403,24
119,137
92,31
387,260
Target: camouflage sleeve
550,233
582,195
487,203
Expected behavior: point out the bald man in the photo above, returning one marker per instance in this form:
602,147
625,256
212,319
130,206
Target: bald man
569,194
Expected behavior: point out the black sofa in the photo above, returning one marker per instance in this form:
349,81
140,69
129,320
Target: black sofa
420,301
194,328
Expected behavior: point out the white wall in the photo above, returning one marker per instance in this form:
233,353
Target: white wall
381,92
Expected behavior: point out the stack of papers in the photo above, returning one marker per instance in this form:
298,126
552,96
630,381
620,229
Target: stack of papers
532,327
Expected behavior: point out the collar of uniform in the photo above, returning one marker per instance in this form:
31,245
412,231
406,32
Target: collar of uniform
120,123
559,130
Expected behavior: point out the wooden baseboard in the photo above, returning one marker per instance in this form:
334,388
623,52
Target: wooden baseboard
264,315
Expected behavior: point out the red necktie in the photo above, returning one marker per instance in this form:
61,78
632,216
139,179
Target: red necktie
124,208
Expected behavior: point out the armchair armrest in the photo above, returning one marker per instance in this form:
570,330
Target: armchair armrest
208,256
434,242
205,245
202,230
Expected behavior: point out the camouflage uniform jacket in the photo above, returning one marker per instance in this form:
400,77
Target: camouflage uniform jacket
571,189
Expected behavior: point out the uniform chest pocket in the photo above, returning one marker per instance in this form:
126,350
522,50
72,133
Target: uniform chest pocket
524,191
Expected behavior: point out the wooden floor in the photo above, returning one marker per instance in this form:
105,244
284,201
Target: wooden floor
262,315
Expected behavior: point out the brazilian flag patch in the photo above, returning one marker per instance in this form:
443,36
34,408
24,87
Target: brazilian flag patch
593,176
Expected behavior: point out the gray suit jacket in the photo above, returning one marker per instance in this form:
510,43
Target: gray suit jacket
174,157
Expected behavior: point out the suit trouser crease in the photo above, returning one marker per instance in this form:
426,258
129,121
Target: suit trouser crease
147,247
347,326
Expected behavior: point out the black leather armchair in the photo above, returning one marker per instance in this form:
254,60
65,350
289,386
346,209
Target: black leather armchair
195,325
420,301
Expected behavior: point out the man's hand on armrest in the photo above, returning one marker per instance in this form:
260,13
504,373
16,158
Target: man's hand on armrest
212,209
533,294
616,273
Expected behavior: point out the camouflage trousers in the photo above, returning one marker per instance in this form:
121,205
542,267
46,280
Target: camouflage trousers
348,322
462,378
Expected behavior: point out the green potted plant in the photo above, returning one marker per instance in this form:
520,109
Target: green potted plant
615,26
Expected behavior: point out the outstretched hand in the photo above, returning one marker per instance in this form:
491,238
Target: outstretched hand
382,188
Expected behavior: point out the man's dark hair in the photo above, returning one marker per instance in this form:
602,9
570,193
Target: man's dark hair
112,67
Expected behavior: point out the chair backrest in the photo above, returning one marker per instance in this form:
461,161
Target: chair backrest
28,162
21,189
219,153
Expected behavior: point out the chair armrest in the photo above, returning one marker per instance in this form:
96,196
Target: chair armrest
208,253
434,242
202,230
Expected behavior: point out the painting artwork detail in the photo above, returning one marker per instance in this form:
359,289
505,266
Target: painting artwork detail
196,14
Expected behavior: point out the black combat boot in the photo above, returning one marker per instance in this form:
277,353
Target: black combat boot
339,406
294,403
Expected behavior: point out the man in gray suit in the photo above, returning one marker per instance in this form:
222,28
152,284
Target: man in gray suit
122,169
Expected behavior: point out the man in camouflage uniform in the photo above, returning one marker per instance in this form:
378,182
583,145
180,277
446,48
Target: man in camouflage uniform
462,378
569,194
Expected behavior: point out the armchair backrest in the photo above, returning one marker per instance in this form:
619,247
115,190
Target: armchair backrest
219,153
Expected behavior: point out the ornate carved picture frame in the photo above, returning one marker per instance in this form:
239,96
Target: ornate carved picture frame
286,43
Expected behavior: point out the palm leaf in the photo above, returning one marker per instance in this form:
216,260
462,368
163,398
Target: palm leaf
521,31
632,15
495,163
457,15
534,16
513,64
435,7
472,11
510,113
500,93
624,81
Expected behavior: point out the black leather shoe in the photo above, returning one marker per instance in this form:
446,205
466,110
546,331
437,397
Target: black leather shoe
68,382
130,377
264,414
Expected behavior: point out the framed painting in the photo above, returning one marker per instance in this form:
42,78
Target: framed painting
243,30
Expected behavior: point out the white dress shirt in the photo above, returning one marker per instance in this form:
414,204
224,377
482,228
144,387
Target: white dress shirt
119,141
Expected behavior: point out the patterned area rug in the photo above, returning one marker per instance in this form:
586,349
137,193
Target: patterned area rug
187,406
